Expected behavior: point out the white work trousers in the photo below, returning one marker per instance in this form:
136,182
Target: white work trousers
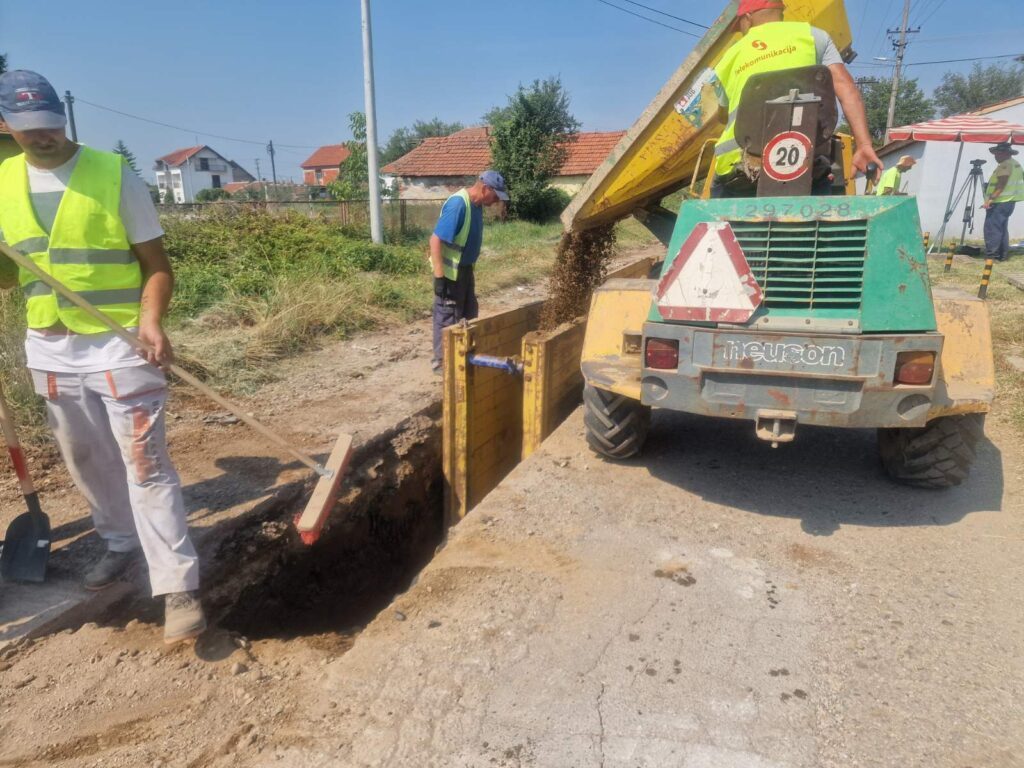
111,432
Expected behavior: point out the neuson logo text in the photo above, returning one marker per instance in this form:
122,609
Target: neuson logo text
830,355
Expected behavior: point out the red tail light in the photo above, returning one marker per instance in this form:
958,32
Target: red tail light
662,353
914,368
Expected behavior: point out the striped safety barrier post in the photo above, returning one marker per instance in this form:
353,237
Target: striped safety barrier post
986,277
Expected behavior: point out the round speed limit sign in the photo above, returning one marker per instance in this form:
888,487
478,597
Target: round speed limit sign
787,156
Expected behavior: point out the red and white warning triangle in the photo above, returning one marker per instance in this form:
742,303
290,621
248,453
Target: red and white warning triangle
709,280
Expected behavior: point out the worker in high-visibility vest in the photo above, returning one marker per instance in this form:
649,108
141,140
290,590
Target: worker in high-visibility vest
454,248
88,220
770,44
1004,190
891,182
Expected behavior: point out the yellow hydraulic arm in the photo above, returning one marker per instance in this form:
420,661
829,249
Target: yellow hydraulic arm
659,154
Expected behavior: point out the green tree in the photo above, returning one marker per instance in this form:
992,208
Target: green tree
353,181
3,63
529,140
129,157
911,106
959,93
211,195
405,140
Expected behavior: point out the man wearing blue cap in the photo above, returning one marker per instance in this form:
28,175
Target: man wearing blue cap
87,219
454,249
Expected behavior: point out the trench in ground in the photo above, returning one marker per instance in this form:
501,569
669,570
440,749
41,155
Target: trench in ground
384,530
262,582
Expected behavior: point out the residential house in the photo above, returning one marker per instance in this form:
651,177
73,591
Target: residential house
440,166
8,147
323,166
193,169
929,181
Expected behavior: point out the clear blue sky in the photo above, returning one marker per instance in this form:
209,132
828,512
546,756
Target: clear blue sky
292,71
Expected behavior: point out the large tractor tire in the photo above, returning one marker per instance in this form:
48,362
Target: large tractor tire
937,455
616,425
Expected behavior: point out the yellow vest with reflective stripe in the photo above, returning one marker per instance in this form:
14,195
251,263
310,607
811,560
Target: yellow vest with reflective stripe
1014,190
891,179
765,48
87,249
451,254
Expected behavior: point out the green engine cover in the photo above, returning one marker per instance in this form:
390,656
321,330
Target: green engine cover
847,264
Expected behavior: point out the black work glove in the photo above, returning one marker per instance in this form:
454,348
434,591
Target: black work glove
443,288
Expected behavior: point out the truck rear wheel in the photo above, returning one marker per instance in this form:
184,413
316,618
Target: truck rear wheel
616,425
937,455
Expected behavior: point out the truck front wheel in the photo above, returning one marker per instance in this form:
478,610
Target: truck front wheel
616,425
937,455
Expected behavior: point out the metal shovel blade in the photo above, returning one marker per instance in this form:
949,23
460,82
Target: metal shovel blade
26,547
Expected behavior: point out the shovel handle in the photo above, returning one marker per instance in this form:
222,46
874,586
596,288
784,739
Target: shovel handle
14,447
30,266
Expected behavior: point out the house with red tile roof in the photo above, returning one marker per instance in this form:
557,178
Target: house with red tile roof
323,166
442,165
189,170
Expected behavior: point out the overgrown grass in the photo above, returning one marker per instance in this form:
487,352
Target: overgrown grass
252,289
1006,308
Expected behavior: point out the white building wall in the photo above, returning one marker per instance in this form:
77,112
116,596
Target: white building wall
931,178
192,178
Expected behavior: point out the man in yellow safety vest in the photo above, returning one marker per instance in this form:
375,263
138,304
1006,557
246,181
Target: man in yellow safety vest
88,220
454,248
770,44
892,180
1002,193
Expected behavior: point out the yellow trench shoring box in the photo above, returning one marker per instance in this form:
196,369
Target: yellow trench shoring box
493,419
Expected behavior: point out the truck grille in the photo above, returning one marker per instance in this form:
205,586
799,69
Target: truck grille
806,264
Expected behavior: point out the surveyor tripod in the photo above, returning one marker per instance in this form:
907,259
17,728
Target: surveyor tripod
968,192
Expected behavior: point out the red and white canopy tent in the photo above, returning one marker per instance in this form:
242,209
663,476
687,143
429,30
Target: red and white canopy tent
966,129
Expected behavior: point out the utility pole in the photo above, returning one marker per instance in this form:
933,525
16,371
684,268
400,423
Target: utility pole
901,48
70,101
376,229
273,166
259,178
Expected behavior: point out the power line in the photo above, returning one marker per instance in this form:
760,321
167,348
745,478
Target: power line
645,18
669,15
79,99
863,18
934,10
953,61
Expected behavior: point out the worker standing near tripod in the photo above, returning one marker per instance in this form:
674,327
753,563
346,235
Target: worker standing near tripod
85,218
1004,190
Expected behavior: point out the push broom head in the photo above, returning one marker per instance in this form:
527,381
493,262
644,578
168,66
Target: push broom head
311,521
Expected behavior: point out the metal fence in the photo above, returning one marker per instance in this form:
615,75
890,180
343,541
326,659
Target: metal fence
399,216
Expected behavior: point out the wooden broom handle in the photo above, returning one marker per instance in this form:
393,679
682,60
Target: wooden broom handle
30,266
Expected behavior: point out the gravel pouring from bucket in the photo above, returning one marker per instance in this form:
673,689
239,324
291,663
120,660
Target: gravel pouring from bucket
311,521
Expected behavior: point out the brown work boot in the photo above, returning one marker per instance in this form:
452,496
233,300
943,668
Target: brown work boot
183,617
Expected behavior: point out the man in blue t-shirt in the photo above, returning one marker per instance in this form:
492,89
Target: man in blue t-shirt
455,299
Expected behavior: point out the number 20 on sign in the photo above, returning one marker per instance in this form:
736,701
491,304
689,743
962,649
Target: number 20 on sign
787,156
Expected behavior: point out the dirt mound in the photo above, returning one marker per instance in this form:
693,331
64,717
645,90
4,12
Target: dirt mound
579,268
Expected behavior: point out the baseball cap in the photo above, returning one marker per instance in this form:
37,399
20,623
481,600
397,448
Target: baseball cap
495,181
906,160
28,102
751,6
